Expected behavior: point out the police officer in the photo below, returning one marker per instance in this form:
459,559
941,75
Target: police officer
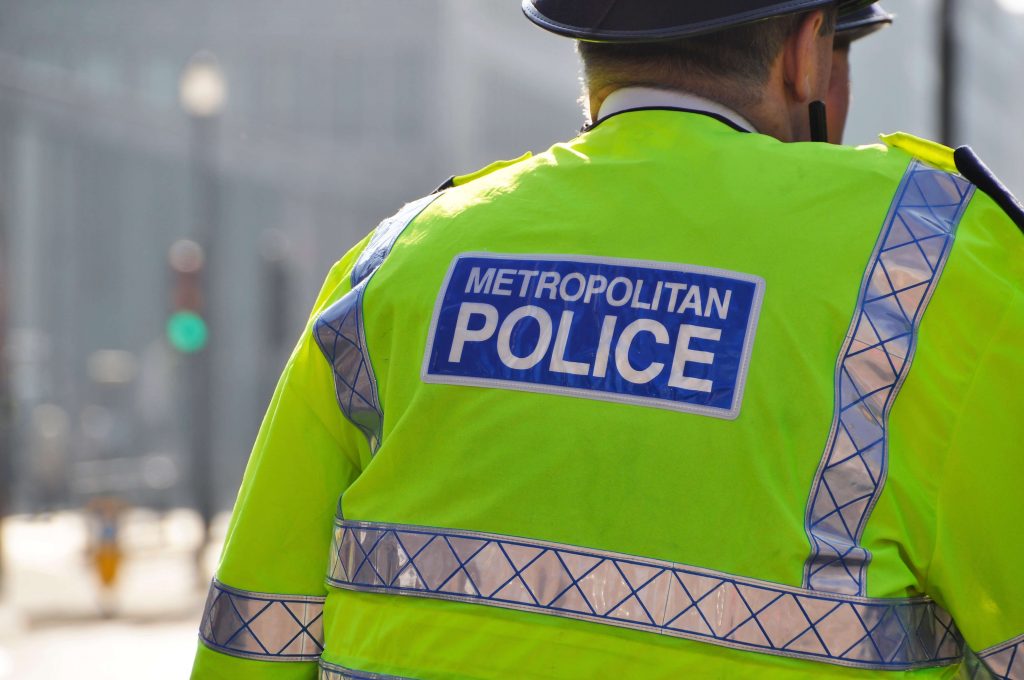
851,27
672,399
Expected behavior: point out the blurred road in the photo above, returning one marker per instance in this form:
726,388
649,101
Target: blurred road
118,650
56,621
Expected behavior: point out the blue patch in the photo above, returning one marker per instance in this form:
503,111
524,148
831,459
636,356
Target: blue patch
650,333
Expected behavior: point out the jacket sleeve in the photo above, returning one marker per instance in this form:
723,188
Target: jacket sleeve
263,616
976,571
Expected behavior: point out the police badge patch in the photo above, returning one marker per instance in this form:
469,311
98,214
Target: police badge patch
656,334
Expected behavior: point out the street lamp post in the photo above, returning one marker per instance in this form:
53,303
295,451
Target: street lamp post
6,397
203,95
948,63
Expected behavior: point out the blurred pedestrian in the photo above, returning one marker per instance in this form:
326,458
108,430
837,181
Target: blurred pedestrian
105,548
642,406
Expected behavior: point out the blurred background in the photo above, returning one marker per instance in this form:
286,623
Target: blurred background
176,178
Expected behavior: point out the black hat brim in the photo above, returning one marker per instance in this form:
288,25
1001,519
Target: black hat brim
621,21
853,26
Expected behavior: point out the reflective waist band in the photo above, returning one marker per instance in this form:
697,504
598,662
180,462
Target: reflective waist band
330,671
644,594
1004,661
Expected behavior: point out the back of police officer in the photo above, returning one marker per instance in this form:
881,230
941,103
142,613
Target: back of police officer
672,399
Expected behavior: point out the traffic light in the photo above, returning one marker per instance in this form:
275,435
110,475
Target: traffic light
187,331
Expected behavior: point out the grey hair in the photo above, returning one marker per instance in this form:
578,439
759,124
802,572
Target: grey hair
729,66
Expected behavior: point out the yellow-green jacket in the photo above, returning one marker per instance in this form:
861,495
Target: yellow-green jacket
668,400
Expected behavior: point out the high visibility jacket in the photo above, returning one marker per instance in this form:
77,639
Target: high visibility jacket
668,400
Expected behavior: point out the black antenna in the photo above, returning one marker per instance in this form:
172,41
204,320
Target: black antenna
819,122
977,173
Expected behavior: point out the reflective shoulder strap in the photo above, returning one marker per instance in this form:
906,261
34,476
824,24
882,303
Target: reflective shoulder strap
340,333
900,278
384,237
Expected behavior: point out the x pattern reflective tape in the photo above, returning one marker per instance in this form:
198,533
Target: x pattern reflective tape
384,237
330,671
339,333
644,594
1003,661
263,626
898,284
339,330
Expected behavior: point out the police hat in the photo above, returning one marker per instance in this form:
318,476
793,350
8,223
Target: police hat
651,20
862,22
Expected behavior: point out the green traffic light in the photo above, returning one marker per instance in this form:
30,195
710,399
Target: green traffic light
187,332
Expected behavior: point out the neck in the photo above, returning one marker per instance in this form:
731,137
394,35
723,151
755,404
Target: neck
630,98
774,117
770,114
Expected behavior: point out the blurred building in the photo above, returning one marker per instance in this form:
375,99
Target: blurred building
897,80
336,113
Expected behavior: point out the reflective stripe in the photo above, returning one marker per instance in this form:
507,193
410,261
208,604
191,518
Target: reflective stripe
641,593
263,626
1004,661
384,237
330,671
341,337
879,348
339,333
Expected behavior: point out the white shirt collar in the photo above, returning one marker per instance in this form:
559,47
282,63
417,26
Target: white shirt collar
627,98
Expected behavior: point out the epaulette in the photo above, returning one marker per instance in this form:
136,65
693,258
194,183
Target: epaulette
459,180
965,162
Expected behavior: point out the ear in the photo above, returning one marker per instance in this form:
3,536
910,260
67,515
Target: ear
807,59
